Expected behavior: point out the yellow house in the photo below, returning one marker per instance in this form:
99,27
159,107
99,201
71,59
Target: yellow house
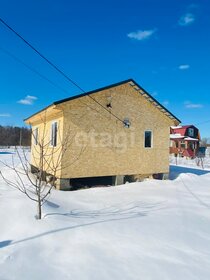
112,134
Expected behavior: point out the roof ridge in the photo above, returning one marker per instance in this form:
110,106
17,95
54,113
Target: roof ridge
92,91
130,80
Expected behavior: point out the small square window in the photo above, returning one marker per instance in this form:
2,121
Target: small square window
191,132
183,144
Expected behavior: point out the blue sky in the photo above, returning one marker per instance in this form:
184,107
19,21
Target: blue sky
163,45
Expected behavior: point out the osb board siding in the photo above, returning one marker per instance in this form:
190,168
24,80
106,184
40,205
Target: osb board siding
51,154
84,115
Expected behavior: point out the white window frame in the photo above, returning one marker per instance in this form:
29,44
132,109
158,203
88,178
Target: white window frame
148,130
171,143
191,131
53,136
183,144
35,136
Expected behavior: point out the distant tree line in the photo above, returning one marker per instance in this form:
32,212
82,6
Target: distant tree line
205,142
15,136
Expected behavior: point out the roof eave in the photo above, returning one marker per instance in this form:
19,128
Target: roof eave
27,120
142,91
157,102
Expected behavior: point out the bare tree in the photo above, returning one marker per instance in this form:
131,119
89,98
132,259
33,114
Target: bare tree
205,141
47,158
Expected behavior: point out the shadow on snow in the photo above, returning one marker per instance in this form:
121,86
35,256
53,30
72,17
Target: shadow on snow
175,171
108,214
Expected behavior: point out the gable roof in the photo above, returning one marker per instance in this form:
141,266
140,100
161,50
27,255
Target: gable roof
132,83
181,129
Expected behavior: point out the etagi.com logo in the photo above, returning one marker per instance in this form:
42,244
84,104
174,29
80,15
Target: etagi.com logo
120,141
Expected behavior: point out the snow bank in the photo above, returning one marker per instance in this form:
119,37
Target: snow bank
150,230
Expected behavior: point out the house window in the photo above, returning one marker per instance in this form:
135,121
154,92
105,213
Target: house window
183,145
192,145
191,132
148,139
35,136
54,129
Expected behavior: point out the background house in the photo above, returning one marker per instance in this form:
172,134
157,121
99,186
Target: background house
116,132
184,140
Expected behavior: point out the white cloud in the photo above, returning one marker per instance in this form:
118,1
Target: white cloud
186,19
5,115
190,105
184,66
141,35
31,97
28,100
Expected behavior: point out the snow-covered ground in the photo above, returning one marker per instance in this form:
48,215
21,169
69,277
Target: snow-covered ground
203,163
150,230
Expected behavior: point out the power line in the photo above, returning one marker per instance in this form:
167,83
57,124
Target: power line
32,69
194,195
39,74
56,68
203,122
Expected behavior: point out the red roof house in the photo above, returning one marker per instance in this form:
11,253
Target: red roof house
184,140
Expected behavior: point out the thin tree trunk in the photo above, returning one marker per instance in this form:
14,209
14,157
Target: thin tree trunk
39,216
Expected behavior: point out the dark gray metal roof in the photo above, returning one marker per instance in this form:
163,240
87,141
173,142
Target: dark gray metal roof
136,86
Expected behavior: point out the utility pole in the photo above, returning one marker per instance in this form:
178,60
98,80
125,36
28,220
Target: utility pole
20,143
